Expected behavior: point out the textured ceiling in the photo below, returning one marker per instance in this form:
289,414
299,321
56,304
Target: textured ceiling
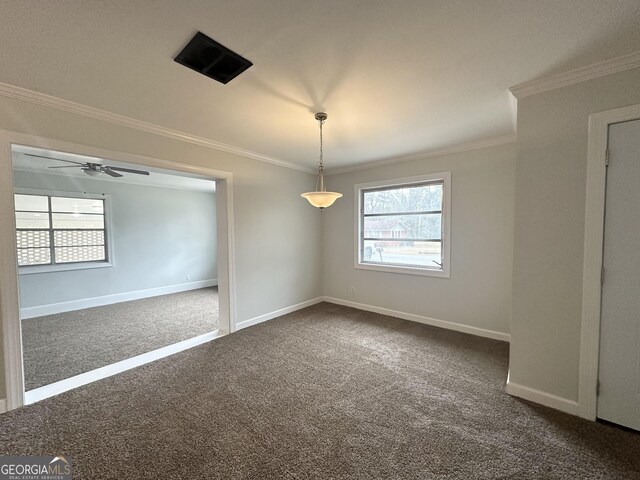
397,78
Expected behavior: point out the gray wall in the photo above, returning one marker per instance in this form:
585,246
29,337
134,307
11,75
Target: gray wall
549,228
277,233
478,294
279,254
159,236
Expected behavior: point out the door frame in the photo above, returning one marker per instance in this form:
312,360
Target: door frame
9,294
593,249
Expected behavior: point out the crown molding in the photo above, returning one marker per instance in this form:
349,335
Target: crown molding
582,74
489,142
46,100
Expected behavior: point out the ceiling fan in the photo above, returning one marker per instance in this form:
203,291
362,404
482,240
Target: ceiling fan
93,169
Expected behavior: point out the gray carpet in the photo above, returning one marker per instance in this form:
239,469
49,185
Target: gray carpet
66,344
326,392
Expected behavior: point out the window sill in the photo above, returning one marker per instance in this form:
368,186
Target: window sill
425,272
62,267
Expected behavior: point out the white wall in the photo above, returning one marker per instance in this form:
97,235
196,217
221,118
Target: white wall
549,229
159,236
478,294
277,233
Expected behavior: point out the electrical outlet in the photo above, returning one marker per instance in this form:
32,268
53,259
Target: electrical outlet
353,291
188,277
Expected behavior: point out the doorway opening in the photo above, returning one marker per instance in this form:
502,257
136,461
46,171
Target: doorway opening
117,264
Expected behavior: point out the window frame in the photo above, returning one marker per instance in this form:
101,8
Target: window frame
108,234
359,189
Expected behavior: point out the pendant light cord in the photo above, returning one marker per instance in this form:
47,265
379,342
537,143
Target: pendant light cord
321,158
320,182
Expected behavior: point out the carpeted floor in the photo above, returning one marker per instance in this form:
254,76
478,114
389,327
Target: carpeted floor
325,392
60,346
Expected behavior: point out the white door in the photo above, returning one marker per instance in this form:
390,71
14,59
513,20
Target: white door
619,374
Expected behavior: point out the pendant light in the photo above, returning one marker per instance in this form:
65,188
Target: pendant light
321,198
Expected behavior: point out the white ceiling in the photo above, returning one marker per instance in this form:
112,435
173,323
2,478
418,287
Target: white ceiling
157,177
396,78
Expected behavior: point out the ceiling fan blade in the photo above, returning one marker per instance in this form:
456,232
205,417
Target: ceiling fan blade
56,159
111,173
67,166
127,170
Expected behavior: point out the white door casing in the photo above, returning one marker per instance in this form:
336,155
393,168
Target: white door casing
619,365
593,244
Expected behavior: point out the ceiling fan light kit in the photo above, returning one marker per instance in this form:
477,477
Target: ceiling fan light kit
321,198
91,172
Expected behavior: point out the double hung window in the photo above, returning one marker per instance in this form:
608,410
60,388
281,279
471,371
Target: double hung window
403,225
53,230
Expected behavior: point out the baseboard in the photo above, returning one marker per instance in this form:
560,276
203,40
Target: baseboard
277,313
434,322
3,405
61,307
67,384
543,398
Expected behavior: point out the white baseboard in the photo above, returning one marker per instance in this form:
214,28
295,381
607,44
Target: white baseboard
67,384
61,307
543,398
434,322
277,313
3,405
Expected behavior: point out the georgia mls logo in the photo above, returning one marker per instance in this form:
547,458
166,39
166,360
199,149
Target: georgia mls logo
62,464
35,468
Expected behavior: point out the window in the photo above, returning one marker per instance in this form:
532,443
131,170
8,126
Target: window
60,232
403,225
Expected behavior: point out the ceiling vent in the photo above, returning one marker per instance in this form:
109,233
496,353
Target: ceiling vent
208,57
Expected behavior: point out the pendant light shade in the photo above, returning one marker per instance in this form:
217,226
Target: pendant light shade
321,198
